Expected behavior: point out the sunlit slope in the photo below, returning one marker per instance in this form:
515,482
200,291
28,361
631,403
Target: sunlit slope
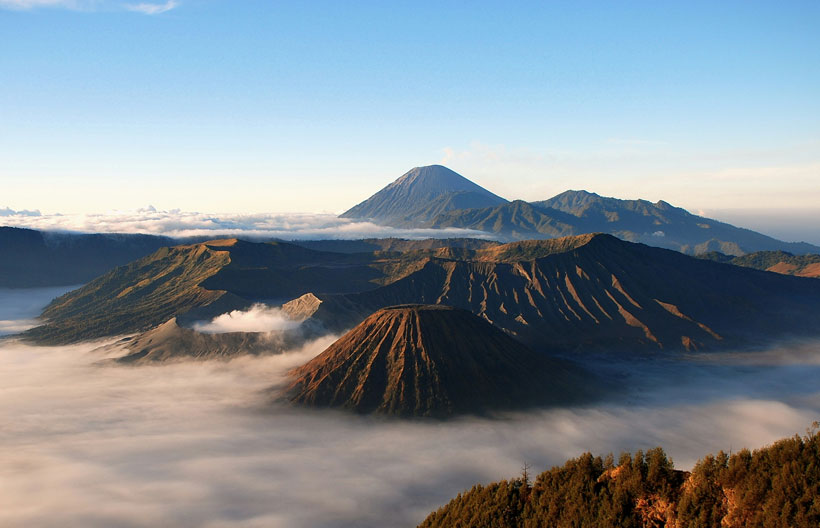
776,486
775,261
598,291
203,280
136,296
436,361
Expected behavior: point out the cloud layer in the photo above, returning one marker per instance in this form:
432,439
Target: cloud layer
152,9
202,444
197,444
258,318
178,223
20,308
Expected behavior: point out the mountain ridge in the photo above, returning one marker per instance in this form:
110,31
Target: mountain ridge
408,202
598,292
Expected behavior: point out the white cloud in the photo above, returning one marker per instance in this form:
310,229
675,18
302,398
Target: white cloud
5,211
31,4
258,318
146,8
198,443
178,223
152,9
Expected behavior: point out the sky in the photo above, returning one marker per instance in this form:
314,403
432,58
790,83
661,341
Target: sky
260,106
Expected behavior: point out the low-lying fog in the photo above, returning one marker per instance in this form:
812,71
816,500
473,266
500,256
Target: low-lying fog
198,444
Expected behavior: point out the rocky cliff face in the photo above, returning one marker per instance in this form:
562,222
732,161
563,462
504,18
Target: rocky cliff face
597,291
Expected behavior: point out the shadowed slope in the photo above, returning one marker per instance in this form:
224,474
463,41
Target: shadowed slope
200,281
30,258
598,291
429,361
574,212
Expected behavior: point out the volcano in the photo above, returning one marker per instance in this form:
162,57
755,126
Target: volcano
430,361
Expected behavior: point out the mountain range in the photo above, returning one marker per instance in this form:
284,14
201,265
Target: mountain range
573,293
596,292
32,259
441,327
436,197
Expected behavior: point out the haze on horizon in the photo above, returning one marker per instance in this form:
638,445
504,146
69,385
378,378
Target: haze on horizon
257,107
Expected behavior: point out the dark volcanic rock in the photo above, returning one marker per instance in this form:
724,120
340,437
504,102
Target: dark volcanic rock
598,292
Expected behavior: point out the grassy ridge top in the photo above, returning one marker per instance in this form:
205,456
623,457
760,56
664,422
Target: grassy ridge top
136,296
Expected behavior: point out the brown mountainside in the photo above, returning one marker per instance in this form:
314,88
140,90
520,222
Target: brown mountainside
434,361
200,281
598,291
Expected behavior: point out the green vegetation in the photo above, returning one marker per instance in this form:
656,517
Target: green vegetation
134,297
777,486
208,279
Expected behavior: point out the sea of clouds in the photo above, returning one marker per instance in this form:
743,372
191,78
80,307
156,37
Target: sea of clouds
176,223
203,444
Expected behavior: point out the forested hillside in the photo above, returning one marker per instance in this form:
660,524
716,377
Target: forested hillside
774,487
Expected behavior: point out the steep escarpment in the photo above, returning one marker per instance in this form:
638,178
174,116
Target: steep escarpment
598,291
430,361
200,281
138,296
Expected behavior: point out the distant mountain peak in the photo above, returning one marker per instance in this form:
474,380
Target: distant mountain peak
422,193
436,176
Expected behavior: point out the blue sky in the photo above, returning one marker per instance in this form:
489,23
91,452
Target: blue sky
263,106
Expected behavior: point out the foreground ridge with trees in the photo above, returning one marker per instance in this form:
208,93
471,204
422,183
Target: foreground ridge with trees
776,486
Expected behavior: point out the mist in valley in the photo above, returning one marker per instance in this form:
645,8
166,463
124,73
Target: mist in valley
205,444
